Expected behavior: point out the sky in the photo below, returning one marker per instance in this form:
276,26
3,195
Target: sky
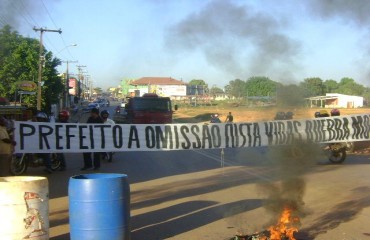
213,40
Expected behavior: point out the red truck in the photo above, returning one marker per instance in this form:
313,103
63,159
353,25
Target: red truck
149,109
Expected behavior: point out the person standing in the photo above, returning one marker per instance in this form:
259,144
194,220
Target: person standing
229,118
105,116
94,118
6,148
43,117
63,117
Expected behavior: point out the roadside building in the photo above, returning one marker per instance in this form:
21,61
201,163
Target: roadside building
162,86
336,100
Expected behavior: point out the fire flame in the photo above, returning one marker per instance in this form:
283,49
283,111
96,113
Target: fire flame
284,229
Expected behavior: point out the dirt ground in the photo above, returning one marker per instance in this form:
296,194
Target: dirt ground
245,114
193,205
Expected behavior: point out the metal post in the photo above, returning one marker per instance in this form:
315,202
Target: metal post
66,102
66,87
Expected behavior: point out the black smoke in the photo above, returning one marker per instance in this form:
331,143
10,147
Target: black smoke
18,13
258,35
356,12
291,163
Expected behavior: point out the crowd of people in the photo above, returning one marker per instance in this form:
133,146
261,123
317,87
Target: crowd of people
91,161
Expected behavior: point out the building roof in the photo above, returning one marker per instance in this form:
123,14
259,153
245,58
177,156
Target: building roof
331,96
322,97
157,81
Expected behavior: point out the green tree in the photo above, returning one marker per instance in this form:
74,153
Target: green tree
214,90
366,96
350,87
19,58
197,82
331,86
260,86
54,87
199,86
236,88
313,87
227,89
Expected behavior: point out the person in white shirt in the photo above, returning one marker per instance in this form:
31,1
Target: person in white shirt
105,116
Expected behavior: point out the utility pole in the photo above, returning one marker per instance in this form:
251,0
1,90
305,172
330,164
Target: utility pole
87,82
81,79
66,94
41,62
90,88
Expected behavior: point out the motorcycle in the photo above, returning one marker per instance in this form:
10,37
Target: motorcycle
337,152
215,118
20,162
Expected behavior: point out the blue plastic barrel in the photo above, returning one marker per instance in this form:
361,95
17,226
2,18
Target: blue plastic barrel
99,207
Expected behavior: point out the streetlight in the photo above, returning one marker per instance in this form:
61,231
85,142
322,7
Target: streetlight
71,45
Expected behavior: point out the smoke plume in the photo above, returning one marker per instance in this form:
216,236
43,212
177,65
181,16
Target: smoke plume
348,11
19,13
226,33
291,163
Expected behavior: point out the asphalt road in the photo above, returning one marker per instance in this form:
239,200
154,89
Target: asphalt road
208,194
197,195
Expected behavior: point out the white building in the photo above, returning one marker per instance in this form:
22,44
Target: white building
163,86
336,100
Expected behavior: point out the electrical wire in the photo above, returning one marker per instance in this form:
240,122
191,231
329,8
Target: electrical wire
47,11
2,20
18,8
25,9
55,25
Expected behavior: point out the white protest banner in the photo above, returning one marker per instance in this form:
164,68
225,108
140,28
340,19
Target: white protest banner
37,137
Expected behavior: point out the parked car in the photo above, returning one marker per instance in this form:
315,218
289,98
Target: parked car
102,102
91,106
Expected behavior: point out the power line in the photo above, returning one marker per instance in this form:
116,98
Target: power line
2,20
47,11
55,25
25,9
